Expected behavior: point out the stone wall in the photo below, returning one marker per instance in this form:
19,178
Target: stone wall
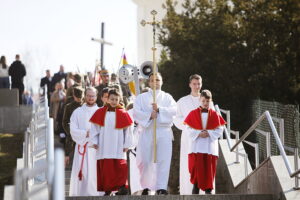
14,119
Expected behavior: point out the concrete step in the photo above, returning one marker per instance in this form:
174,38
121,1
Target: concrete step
67,181
182,197
68,174
67,189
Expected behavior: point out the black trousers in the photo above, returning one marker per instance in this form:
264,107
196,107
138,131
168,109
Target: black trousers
19,86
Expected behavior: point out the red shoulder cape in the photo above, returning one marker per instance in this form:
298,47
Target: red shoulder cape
194,120
123,119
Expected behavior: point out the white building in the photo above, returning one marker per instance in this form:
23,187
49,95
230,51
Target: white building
145,33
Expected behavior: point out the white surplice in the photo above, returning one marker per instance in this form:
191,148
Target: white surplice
79,125
111,141
207,145
184,106
154,176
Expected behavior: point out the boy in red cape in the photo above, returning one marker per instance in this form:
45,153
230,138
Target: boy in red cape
112,136
205,126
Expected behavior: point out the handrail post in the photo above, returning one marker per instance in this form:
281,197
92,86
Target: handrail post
246,164
256,155
228,121
59,178
281,130
268,141
296,160
50,150
237,137
17,191
27,155
226,132
24,182
26,149
31,144
45,95
47,113
278,142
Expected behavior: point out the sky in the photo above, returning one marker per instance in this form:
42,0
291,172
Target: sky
48,33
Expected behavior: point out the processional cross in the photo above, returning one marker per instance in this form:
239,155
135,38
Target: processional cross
154,24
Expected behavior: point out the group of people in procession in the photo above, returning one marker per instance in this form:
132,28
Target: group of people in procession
99,125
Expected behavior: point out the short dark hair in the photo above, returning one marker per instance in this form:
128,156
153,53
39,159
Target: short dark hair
157,73
195,76
114,92
206,94
104,91
78,92
77,78
3,62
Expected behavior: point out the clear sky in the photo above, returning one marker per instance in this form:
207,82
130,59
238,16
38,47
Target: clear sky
47,33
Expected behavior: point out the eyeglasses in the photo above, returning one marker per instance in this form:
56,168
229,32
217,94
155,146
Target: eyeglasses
91,96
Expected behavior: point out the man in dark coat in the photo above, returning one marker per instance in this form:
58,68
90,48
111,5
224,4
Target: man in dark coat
58,77
17,72
46,81
68,110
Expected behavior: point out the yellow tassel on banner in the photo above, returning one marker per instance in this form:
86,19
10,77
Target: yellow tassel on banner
132,87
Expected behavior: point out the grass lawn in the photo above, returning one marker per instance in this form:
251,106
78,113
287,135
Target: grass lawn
10,149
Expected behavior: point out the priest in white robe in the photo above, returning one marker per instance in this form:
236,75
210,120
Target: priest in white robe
184,106
154,176
84,174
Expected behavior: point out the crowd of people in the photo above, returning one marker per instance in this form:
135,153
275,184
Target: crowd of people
103,128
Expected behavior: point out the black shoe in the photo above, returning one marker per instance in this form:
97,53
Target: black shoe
195,189
208,191
107,193
145,191
161,192
122,191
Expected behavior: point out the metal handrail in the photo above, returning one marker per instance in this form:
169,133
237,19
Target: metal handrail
225,130
267,115
268,140
40,129
279,143
227,113
237,137
262,117
25,176
256,149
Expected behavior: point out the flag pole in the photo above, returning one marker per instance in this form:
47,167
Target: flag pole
122,54
154,23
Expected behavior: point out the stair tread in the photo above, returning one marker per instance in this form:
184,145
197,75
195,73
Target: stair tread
187,197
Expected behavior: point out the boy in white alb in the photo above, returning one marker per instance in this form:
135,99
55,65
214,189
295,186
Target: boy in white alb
205,126
112,133
184,106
